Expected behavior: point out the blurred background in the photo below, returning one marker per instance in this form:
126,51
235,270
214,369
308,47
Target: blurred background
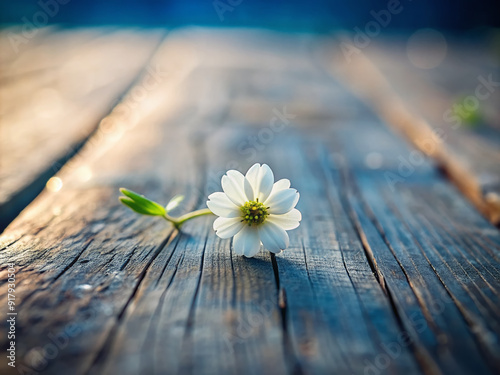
317,16
65,64
100,94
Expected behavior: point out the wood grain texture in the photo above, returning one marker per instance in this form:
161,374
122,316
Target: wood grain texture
391,272
422,104
48,114
401,250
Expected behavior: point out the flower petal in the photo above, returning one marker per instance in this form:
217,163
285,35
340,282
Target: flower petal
273,237
261,178
248,190
282,184
233,185
221,205
288,221
252,175
282,201
227,227
279,185
247,242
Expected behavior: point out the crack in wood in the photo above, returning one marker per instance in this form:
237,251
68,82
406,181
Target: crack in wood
479,332
104,349
292,361
65,269
346,187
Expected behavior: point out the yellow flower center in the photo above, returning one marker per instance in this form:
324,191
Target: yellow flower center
254,212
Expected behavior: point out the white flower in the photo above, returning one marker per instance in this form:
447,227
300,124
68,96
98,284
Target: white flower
255,210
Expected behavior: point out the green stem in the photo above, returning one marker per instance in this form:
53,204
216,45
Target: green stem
178,221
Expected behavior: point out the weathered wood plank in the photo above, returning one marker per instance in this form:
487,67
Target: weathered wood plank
48,115
421,105
357,290
432,358
432,268
363,142
114,285
336,315
77,237
460,96
194,307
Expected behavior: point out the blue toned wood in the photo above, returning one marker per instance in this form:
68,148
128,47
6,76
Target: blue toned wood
392,270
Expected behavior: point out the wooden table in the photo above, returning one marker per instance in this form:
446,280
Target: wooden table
394,269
